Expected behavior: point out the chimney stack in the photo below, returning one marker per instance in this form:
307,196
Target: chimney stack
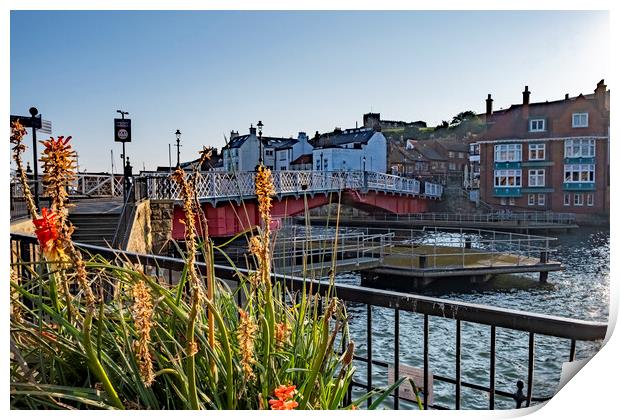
600,92
526,96
566,97
489,105
252,129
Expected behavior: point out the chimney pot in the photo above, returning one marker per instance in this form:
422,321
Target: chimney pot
566,96
526,96
489,105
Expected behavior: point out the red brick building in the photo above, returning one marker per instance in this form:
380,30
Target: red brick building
548,155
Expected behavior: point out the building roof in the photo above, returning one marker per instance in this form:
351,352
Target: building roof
428,151
512,122
453,146
303,159
341,137
277,142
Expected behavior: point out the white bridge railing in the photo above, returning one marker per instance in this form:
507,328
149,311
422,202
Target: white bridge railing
85,185
229,185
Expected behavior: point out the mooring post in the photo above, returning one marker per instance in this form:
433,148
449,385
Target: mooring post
543,274
519,396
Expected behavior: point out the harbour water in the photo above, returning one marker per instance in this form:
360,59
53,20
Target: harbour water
581,291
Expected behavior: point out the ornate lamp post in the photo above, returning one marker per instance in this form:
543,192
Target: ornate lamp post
178,134
260,142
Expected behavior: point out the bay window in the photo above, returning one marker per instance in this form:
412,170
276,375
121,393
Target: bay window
579,173
508,178
507,153
575,148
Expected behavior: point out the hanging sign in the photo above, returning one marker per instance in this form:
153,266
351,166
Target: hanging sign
122,130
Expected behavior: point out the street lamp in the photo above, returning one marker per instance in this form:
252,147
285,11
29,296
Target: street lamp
260,142
364,164
178,134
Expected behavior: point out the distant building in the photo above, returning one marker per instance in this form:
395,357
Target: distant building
374,121
241,154
548,155
353,149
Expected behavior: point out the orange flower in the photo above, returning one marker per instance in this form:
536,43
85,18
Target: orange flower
283,405
284,392
284,395
46,229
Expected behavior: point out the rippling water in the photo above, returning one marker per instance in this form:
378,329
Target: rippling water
581,291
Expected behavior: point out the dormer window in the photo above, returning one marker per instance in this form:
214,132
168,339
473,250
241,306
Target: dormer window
537,124
580,119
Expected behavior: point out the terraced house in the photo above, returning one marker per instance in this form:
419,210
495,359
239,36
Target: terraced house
548,155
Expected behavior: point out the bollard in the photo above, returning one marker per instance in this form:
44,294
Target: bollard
518,396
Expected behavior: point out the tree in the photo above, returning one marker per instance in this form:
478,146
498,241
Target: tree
462,117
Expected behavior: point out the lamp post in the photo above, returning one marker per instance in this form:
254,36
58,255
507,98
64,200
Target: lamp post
322,162
260,142
33,112
178,134
364,164
123,157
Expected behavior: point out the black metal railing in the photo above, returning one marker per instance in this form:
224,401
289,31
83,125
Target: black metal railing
167,268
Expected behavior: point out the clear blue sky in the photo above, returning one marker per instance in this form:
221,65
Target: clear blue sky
208,72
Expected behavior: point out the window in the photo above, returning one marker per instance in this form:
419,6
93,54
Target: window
575,148
590,200
502,201
531,199
268,152
541,199
579,199
536,178
283,168
537,125
536,152
508,178
461,155
566,199
450,154
318,164
580,119
452,166
579,173
511,201
508,153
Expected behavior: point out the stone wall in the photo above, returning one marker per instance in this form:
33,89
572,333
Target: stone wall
161,224
140,238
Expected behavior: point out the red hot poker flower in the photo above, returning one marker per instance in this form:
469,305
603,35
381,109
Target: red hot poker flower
45,228
283,405
284,392
284,395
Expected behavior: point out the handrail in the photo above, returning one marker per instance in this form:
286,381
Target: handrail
219,185
552,325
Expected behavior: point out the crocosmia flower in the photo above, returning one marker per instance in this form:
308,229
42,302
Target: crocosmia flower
46,229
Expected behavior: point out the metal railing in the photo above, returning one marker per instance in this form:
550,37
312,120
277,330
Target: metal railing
466,248
217,185
570,331
84,185
520,218
296,249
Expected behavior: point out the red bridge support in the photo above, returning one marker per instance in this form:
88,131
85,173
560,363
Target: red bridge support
230,218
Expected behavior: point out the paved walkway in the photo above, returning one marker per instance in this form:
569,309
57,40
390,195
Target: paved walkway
97,206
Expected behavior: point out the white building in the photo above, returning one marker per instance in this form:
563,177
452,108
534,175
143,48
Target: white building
355,149
242,152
